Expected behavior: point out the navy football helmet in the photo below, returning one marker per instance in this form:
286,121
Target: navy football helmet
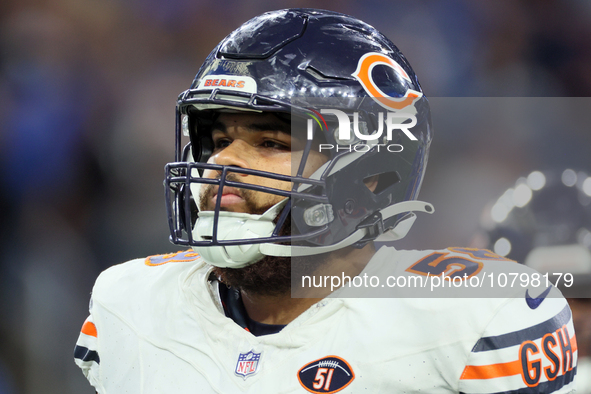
544,222
308,67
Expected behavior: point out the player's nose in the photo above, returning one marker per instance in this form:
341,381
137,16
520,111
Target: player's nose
238,153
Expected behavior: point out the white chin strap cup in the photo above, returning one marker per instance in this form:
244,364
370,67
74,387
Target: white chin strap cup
234,225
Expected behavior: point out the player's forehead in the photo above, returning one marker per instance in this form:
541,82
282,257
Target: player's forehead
252,122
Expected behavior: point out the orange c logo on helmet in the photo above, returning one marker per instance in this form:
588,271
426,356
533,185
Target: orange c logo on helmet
363,74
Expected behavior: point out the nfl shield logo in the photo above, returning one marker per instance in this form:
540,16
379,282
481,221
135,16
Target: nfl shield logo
248,364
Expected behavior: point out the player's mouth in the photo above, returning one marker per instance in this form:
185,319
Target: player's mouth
230,196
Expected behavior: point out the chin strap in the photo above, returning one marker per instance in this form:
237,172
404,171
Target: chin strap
244,226
396,233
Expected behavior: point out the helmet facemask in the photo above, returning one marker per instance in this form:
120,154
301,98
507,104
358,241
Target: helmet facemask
227,238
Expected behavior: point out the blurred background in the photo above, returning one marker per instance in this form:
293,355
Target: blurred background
87,96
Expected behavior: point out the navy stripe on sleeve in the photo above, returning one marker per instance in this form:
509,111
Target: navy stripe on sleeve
528,334
85,354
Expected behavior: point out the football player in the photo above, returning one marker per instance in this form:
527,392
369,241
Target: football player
544,221
302,140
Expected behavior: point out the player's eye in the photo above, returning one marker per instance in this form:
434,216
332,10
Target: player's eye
272,144
221,143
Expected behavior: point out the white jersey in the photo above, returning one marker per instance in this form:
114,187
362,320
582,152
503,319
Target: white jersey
157,325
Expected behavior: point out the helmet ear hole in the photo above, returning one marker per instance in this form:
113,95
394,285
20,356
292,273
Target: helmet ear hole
377,183
371,182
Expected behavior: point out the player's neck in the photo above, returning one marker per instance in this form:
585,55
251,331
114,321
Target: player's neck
276,309
283,308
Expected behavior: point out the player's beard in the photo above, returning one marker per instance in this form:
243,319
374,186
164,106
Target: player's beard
272,275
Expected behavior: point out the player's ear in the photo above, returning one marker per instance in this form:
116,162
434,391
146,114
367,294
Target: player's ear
371,182
377,183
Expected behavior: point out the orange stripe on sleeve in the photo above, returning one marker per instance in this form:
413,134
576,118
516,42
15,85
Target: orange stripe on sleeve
573,341
89,328
491,371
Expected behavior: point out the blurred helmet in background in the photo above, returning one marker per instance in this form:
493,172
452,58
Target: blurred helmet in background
544,222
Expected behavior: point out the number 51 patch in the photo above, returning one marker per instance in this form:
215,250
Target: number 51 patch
326,375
